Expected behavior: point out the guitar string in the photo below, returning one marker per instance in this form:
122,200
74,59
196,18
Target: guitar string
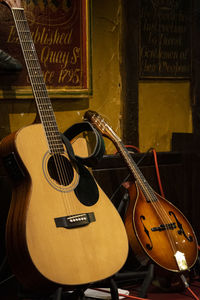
21,19
55,141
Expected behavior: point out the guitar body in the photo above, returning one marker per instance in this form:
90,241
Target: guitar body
150,240
41,252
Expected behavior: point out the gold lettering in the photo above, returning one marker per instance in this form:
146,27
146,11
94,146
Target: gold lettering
49,76
36,36
13,38
43,36
71,75
45,56
54,57
68,37
75,56
63,74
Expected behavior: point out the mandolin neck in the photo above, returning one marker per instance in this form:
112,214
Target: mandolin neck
38,85
135,171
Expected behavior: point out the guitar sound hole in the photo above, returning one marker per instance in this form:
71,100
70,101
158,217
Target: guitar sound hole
60,169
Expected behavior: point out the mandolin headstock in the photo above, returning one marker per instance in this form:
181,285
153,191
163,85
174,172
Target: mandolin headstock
99,123
12,3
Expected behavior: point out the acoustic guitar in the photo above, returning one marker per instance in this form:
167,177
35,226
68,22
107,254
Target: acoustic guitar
59,231
156,229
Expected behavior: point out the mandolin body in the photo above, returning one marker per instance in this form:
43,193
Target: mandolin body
149,239
40,252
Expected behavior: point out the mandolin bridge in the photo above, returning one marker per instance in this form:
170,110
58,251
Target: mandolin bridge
164,227
74,221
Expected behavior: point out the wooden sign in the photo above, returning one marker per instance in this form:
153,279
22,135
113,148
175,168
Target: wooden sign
60,32
165,39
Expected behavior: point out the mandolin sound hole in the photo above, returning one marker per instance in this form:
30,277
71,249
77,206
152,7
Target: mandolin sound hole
60,169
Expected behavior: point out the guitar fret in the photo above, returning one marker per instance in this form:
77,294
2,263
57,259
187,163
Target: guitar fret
31,59
26,42
59,144
27,47
37,81
29,50
41,90
24,31
36,77
54,137
51,128
48,117
52,134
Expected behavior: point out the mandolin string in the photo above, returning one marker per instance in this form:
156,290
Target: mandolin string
149,195
131,163
160,211
20,19
100,123
158,205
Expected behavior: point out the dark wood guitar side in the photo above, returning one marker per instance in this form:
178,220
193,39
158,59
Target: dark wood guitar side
55,235
156,228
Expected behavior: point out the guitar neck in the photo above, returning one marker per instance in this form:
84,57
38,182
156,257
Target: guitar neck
38,85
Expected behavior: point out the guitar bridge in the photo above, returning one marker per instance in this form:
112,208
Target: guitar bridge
74,221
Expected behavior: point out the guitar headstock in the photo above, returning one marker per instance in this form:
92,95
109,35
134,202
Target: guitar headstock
99,123
12,3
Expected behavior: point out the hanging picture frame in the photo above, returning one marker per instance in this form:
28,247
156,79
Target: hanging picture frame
61,36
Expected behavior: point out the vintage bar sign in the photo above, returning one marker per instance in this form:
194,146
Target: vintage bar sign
165,39
60,32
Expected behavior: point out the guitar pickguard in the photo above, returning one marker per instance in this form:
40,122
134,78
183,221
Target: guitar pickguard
72,177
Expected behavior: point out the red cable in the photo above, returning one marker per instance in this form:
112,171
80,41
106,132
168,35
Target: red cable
123,295
134,147
193,294
158,174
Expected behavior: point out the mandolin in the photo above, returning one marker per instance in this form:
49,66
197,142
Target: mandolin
156,229
60,230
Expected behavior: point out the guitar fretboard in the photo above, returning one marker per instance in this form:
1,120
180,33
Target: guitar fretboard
38,85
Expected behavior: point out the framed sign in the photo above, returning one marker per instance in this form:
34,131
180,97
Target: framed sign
60,31
165,39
